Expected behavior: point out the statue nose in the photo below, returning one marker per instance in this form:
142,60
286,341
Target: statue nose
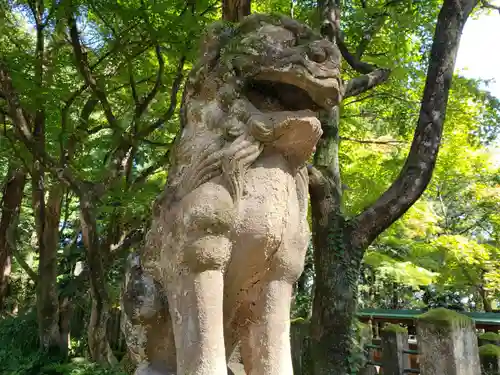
317,54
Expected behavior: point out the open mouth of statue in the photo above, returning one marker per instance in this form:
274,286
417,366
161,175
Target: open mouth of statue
275,96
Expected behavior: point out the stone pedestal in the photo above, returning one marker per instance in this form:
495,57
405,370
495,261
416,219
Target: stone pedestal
394,341
447,343
490,359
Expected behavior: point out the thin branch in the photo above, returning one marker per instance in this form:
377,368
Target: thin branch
16,152
126,242
155,143
51,12
68,150
173,101
150,170
65,116
147,100
84,68
11,235
66,211
24,265
360,99
370,141
488,5
133,86
20,121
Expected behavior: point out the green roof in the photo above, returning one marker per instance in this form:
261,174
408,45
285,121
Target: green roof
492,319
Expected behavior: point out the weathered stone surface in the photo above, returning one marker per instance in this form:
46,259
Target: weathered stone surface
300,344
489,338
447,344
490,359
394,341
229,233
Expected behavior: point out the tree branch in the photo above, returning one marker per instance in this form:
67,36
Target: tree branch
417,171
15,150
147,100
370,141
132,238
24,265
176,85
488,5
373,76
150,170
366,82
316,178
358,65
18,117
133,86
84,69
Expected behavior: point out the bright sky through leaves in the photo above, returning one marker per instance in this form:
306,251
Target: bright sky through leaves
479,55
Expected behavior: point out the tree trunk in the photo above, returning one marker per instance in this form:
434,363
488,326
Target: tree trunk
99,348
484,299
65,312
235,10
336,262
339,243
47,289
335,301
11,202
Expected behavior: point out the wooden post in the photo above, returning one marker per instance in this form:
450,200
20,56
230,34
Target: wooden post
394,342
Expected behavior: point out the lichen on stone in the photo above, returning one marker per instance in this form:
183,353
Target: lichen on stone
489,350
396,328
446,318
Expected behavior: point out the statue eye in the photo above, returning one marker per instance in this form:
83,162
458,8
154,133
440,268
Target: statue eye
317,54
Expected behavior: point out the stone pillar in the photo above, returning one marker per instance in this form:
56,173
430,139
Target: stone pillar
366,342
447,344
299,341
489,338
394,341
490,359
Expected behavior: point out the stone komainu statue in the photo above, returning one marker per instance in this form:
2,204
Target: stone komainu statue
229,233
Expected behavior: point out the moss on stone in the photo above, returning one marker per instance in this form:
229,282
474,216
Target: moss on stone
299,321
490,336
489,350
360,325
446,318
396,328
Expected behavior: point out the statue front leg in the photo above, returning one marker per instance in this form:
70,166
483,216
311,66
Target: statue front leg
195,298
266,348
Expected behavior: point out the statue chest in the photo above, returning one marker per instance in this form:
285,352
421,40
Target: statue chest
269,208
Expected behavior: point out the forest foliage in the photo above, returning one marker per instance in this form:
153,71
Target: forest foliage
100,83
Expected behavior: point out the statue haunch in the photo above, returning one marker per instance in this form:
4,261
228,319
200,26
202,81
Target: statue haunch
229,233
